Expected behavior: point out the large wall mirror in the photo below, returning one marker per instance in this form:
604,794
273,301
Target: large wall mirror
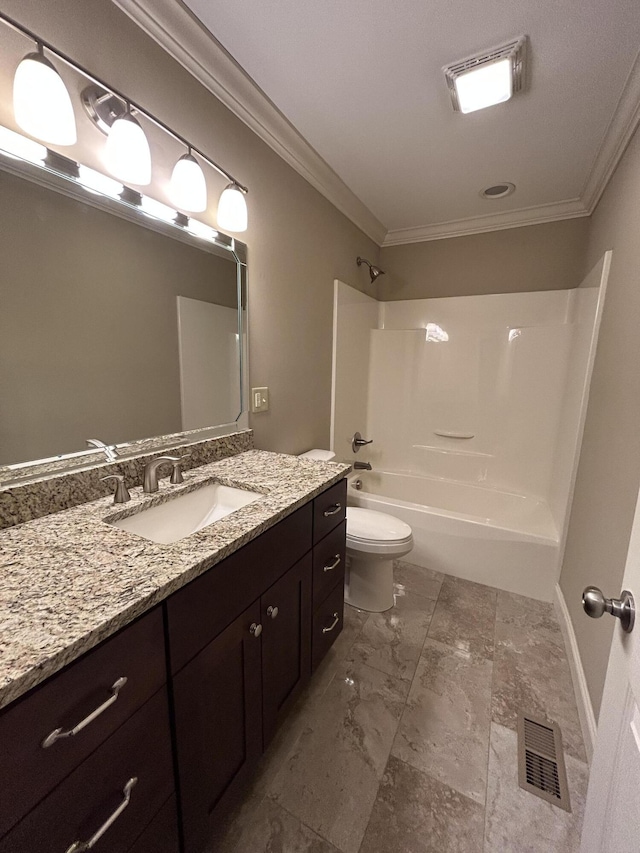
115,325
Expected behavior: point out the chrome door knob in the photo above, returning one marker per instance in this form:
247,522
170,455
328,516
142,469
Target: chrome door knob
595,604
272,611
255,629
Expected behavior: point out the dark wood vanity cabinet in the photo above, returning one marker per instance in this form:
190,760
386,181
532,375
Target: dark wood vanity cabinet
64,789
218,724
240,642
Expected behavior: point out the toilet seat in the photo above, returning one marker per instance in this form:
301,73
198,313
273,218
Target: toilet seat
372,532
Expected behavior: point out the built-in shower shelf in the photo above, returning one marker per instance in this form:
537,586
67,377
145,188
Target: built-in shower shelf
445,433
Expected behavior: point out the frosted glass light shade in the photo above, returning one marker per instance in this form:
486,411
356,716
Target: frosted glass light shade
232,209
41,103
484,86
188,188
127,153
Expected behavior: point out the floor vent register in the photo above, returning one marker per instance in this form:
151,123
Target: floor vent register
541,767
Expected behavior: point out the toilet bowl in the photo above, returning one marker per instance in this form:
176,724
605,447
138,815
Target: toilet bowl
374,541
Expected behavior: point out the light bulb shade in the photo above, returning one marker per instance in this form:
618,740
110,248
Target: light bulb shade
41,103
232,209
188,187
127,152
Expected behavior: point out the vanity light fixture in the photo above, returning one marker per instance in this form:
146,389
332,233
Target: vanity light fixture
127,153
188,188
232,208
43,109
41,103
487,78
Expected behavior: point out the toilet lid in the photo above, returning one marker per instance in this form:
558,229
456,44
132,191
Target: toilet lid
372,525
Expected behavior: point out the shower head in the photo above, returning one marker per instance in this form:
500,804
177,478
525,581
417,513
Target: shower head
374,271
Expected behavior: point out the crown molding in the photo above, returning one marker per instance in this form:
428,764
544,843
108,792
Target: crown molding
183,37
172,25
622,126
488,222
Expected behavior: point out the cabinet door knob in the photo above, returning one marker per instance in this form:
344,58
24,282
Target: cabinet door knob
56,734
255,629
272,611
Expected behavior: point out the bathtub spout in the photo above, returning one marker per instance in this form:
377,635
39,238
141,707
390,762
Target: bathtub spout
362,466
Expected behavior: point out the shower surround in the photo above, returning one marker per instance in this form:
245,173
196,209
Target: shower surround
476,407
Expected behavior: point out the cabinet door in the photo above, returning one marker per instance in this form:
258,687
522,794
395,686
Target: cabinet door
218,721
286,643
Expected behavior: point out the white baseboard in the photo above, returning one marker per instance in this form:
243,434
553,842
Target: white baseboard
583,700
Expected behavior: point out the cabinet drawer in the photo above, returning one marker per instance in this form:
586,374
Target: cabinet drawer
161,836
205,607
96,791
66,700
327,624
328,563
329,510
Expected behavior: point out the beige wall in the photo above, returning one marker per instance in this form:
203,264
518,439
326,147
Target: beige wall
298,242
609,471
537,257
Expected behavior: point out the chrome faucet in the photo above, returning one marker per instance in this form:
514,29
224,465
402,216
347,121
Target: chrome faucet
109,452
151,472
362,466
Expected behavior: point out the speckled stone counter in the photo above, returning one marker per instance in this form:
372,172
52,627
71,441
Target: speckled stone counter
70,580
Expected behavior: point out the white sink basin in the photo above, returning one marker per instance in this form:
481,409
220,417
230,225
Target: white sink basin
183,515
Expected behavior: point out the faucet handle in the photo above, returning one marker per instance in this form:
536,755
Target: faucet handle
121,495
176,473
358,441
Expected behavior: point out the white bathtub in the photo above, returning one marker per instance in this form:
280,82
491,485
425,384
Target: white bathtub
485,535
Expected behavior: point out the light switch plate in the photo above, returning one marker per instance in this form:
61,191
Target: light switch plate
260,399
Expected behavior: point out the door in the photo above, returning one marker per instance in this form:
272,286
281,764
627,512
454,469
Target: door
218,722
612,817
286,643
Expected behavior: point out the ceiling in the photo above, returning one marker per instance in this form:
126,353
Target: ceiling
362,83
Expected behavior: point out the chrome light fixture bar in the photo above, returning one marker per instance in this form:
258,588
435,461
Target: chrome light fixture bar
132,105
487,78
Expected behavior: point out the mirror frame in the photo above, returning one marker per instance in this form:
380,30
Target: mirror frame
220,244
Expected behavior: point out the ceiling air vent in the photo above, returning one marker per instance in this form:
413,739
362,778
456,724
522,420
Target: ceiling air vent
541,767
487,78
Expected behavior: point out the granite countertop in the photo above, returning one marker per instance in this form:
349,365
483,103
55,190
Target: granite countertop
70,580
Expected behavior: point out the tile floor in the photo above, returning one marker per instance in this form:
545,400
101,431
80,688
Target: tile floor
405,740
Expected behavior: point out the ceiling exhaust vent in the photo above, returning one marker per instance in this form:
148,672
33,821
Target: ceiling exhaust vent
541,767
487,78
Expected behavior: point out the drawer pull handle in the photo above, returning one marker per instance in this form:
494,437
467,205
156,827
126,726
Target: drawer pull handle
328,630
56,734
255,628
272,611
334,565
332,510
78,846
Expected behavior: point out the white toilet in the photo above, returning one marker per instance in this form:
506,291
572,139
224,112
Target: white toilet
374,541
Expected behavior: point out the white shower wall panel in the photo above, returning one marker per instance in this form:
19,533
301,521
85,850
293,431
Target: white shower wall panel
489,368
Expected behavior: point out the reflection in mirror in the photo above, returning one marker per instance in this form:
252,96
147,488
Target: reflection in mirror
109,328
